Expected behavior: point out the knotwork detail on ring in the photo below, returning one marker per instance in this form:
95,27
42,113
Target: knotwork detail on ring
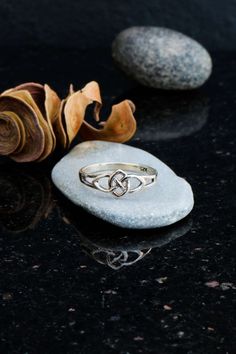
119,183
118,178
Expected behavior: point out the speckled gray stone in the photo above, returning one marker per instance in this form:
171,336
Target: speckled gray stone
161,58
165,203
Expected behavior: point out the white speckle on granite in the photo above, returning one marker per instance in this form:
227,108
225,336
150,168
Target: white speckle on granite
169,200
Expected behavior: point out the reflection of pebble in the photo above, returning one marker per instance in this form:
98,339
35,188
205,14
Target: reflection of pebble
161,58
172,115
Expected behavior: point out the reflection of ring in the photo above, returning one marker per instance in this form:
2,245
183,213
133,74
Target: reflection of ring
118,178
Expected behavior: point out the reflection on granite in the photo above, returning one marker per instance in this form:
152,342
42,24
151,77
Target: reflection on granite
117,248
115,259
25,198
169,115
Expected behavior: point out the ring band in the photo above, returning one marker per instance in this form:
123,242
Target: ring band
118,178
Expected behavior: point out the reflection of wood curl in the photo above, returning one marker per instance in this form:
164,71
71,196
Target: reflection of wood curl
24,200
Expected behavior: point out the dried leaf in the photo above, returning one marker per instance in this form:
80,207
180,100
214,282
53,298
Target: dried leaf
119,127
11,133
36,91
45,105
26,98
52,108
33,120
71,89
58,127
35,138
92,92
74,111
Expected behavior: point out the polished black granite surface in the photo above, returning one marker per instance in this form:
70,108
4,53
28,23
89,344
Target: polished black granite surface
70,283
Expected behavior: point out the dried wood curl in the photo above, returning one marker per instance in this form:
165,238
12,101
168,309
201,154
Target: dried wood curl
34,120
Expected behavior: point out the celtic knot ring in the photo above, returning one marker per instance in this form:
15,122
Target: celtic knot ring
118,178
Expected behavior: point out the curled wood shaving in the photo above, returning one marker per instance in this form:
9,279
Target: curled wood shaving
34,120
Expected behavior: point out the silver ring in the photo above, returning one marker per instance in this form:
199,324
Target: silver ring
118,178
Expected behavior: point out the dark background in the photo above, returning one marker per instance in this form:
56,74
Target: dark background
88,24
55,297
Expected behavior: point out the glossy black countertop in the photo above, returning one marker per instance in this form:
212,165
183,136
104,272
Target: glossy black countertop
70,283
